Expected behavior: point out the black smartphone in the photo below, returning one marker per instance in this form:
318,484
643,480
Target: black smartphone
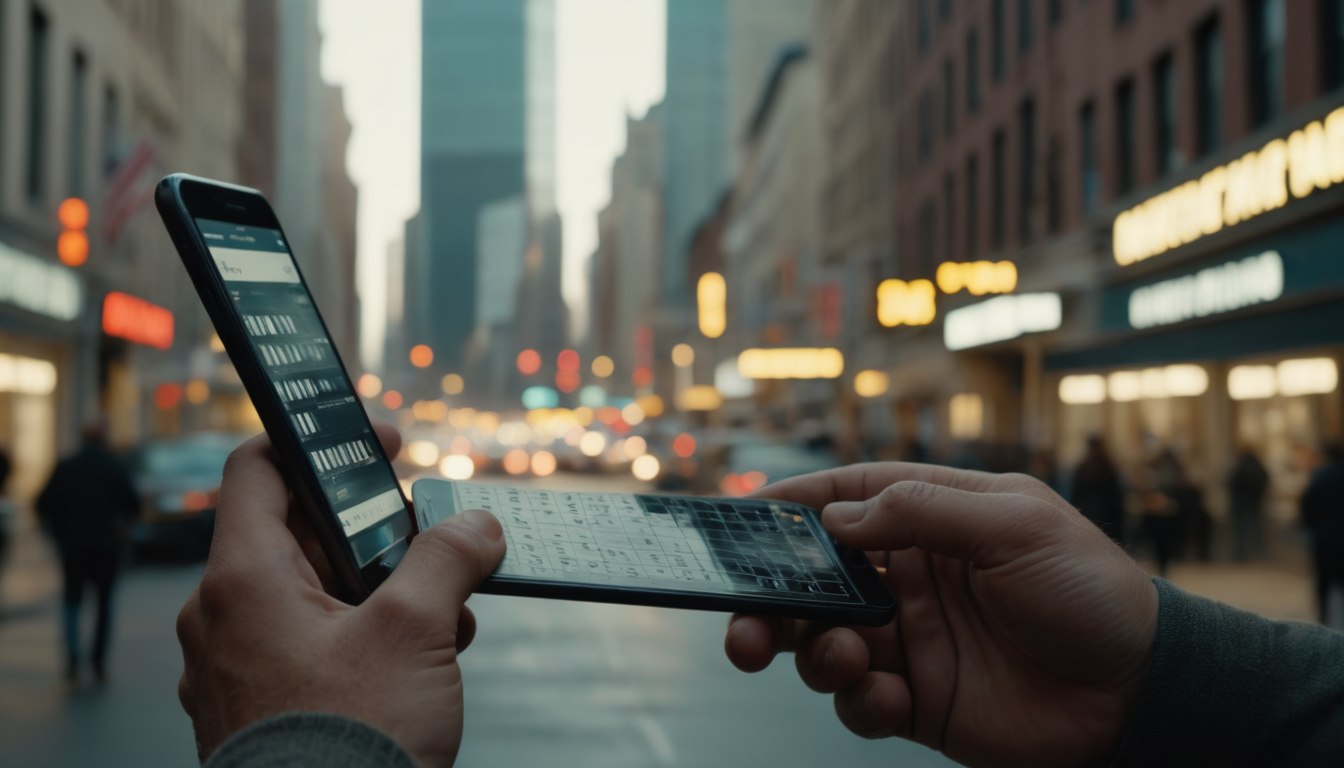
715,554
237,255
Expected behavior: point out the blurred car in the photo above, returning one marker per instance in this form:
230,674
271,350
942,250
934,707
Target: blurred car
178,481
749,465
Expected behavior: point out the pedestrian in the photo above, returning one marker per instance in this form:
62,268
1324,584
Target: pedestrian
86,506
1097,492
8,513
1246,486
1323,515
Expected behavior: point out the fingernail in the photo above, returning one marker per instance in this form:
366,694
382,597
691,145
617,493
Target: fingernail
843,513
828,660
482,522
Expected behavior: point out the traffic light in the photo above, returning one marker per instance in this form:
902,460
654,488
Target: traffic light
73,245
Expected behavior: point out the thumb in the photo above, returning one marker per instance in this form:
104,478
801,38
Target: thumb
988,529
444,565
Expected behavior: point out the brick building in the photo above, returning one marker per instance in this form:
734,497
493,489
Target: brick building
1130,158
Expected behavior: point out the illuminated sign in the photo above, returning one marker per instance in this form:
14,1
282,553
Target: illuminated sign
902,303
977,277
1001,319
711,295
871,383
134,319
1312,158
797,363
702,397
1236,284
26,375
39,286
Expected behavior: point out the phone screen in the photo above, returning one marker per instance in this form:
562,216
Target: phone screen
726,546
292,346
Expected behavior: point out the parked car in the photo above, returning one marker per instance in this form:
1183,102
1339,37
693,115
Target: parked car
178,481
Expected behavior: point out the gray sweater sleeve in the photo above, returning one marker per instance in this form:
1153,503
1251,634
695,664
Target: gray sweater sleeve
1229,688
309,740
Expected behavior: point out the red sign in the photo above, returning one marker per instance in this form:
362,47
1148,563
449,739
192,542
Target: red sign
134,319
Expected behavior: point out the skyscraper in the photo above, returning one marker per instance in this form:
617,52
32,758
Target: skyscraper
696,159
473,150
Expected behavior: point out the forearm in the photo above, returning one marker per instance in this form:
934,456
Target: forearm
1230,688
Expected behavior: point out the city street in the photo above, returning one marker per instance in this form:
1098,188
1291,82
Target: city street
547,682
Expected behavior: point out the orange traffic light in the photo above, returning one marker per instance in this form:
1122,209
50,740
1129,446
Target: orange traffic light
73,244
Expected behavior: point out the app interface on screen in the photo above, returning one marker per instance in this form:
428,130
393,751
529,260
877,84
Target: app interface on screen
739,546
288,338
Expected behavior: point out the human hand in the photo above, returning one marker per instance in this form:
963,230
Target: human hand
1023,635
260,636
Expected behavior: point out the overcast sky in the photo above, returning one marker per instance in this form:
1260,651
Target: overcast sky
610,62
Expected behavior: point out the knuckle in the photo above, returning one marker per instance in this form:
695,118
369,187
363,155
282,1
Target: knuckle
451,543
221,587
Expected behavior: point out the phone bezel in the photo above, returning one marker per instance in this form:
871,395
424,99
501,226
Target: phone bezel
877,609
181,199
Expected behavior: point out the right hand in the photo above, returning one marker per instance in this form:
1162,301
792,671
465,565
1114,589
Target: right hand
1023,634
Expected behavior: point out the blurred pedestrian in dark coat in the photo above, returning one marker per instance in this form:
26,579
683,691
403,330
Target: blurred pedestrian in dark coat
1323,515
1097,492
1246,485
86,506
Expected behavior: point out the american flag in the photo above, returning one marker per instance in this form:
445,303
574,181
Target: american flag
129,188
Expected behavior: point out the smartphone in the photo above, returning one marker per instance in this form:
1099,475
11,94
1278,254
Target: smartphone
239,260
715,554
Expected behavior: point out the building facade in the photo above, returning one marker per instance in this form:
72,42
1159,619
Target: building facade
1168,173
99,100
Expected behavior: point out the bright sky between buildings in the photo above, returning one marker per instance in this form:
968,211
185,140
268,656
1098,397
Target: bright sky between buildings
610,63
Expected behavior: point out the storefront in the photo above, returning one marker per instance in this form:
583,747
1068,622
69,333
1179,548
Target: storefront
43,375
1214,341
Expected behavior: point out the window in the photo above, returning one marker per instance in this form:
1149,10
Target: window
1054,192
997,56
949,216
926,126
1266,28
1332,43
1026,172
1164,92
79,97
949,98
923,30
111,130
1087,144
997,192
1054,12
928,233
972,206
1209,87
1023,26
1124,11
1124,137
973,71
38,39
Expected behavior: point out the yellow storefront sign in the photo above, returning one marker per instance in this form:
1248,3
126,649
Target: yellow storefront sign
1259,181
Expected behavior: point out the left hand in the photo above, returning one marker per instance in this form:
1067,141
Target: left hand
260,636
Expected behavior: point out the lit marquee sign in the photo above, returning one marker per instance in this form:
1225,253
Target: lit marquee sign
1001,319
1211,291
134,319
39,286
1259,181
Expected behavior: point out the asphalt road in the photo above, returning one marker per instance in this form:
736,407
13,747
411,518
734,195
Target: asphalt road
548,683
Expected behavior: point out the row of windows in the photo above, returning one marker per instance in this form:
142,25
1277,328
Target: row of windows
1265,85
35,170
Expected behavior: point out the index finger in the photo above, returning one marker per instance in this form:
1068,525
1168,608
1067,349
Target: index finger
860,482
